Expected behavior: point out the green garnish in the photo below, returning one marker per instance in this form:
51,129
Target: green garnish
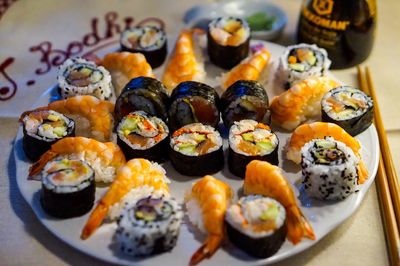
260,21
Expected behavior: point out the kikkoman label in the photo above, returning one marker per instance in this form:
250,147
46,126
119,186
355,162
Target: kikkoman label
322,9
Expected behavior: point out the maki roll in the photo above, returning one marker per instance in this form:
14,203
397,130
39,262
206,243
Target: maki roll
349,108
142,94
256,225
245,99
329,169
196,150
302,61
193,102
228,41
68,188
148,40
77,76
250,140
151,226
143,136
43,128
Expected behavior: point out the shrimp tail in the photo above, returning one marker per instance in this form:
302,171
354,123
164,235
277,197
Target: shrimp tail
362,172
206,250
94,221
37,167
298,226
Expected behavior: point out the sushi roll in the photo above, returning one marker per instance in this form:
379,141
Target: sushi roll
302,61
245,99
329,169
349,108
151,226
142,94
78,76
193,102
148,40
228,41
68,188
256,225
143,136
196,150
250,140
43,128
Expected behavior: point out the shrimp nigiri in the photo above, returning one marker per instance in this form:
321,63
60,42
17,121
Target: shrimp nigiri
104,158
99,113
265,179
209,199
249,69
135,173
319,130
300,102
184,64
125,66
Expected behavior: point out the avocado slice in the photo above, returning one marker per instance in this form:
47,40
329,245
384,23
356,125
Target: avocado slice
130,124
199,137
248,137
53,118
187,148
265,146
297,67
270,214
59,131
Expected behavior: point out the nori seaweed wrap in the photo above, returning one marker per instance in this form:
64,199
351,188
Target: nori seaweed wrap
228,41
68,188
142,94
256,225
148,40
43,128
250,140
193,102
245,99
196,150
143,136
349,108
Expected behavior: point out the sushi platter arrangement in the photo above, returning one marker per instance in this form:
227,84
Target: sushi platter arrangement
223,150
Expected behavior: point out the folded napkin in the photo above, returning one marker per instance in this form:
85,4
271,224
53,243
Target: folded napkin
38,36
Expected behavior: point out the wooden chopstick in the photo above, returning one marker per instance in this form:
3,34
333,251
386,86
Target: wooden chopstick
383,184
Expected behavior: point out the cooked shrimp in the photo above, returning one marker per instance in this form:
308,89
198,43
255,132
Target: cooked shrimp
210,197
135,173
266,179
183,64
300,102
104,158
319,130
249,69
125,66
99,113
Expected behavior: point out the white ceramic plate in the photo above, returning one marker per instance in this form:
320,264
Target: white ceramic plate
323,216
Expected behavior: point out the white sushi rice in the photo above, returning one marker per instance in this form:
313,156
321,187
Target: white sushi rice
71,182
34,127
100,87
248,125
248,211
329,182
148,38
212,134
130,199
287,75
349,92
195,214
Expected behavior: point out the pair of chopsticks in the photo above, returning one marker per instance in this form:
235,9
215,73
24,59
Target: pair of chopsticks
387,180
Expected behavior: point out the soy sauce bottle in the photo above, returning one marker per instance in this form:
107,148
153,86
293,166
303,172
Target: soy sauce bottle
345,28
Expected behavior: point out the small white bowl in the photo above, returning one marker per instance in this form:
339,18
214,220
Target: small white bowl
201,15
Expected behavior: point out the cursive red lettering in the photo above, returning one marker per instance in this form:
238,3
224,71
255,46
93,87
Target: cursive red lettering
7,92
93,37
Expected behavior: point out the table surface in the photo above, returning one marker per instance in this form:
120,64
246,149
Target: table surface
358,241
